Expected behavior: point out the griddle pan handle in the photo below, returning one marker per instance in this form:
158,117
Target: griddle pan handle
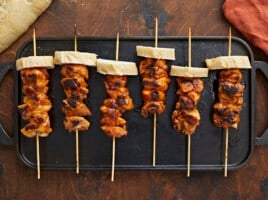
4,137
263,66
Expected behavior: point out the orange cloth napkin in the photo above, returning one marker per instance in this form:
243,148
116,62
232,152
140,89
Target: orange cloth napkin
250,17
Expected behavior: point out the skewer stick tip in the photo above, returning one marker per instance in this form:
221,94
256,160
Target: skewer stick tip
34,42
226,151
230,41
117,47
189,156
113,160
154,139
156,32
189,47
77,150
37,156
75,37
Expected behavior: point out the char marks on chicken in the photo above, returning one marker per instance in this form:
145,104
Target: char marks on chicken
36,103
115,105
186,117
75,86
155,82
230,93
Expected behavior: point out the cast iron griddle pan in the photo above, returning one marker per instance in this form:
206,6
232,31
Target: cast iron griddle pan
135,150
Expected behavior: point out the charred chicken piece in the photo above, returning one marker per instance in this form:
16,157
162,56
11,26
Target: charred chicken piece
121,102
35,76
73,83
153,107
75,88
230,93
186,117
109,121
186,120
226,115
36,103
190,84
115,105
152,65
31,108
73,123
153,95
32,90
74,70
114,131
160,84
155,82
71,107
231,75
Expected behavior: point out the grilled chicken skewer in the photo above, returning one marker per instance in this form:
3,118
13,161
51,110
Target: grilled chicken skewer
154,72
186,116
36,104
119,100
230,92
75,76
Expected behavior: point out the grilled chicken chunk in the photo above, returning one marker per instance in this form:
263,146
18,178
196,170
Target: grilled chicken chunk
186,117
153,95
153,107
226,115
230,93
75,87
38,124
73,123
155,82
36,103
115,105
74,70
186,121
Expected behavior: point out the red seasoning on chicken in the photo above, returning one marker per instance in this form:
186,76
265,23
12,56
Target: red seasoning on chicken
36,104
155,79
75,76
230,92
118,100
186,116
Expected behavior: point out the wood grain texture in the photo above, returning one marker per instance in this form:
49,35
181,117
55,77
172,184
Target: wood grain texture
131,18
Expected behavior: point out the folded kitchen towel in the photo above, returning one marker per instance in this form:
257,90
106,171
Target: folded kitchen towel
250,17
16,16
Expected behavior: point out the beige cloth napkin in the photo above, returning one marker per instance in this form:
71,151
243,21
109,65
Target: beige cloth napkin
16,16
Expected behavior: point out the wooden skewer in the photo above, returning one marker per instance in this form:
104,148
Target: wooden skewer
226,151
76,131
227,130
117,47
37,135
38,156
189,48
230,42
77,150
189,155
113,145
155,116
75,38
189,136
113,159
34,43
154,139
156,33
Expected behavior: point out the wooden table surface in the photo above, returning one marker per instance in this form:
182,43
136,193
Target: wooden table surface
131,18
